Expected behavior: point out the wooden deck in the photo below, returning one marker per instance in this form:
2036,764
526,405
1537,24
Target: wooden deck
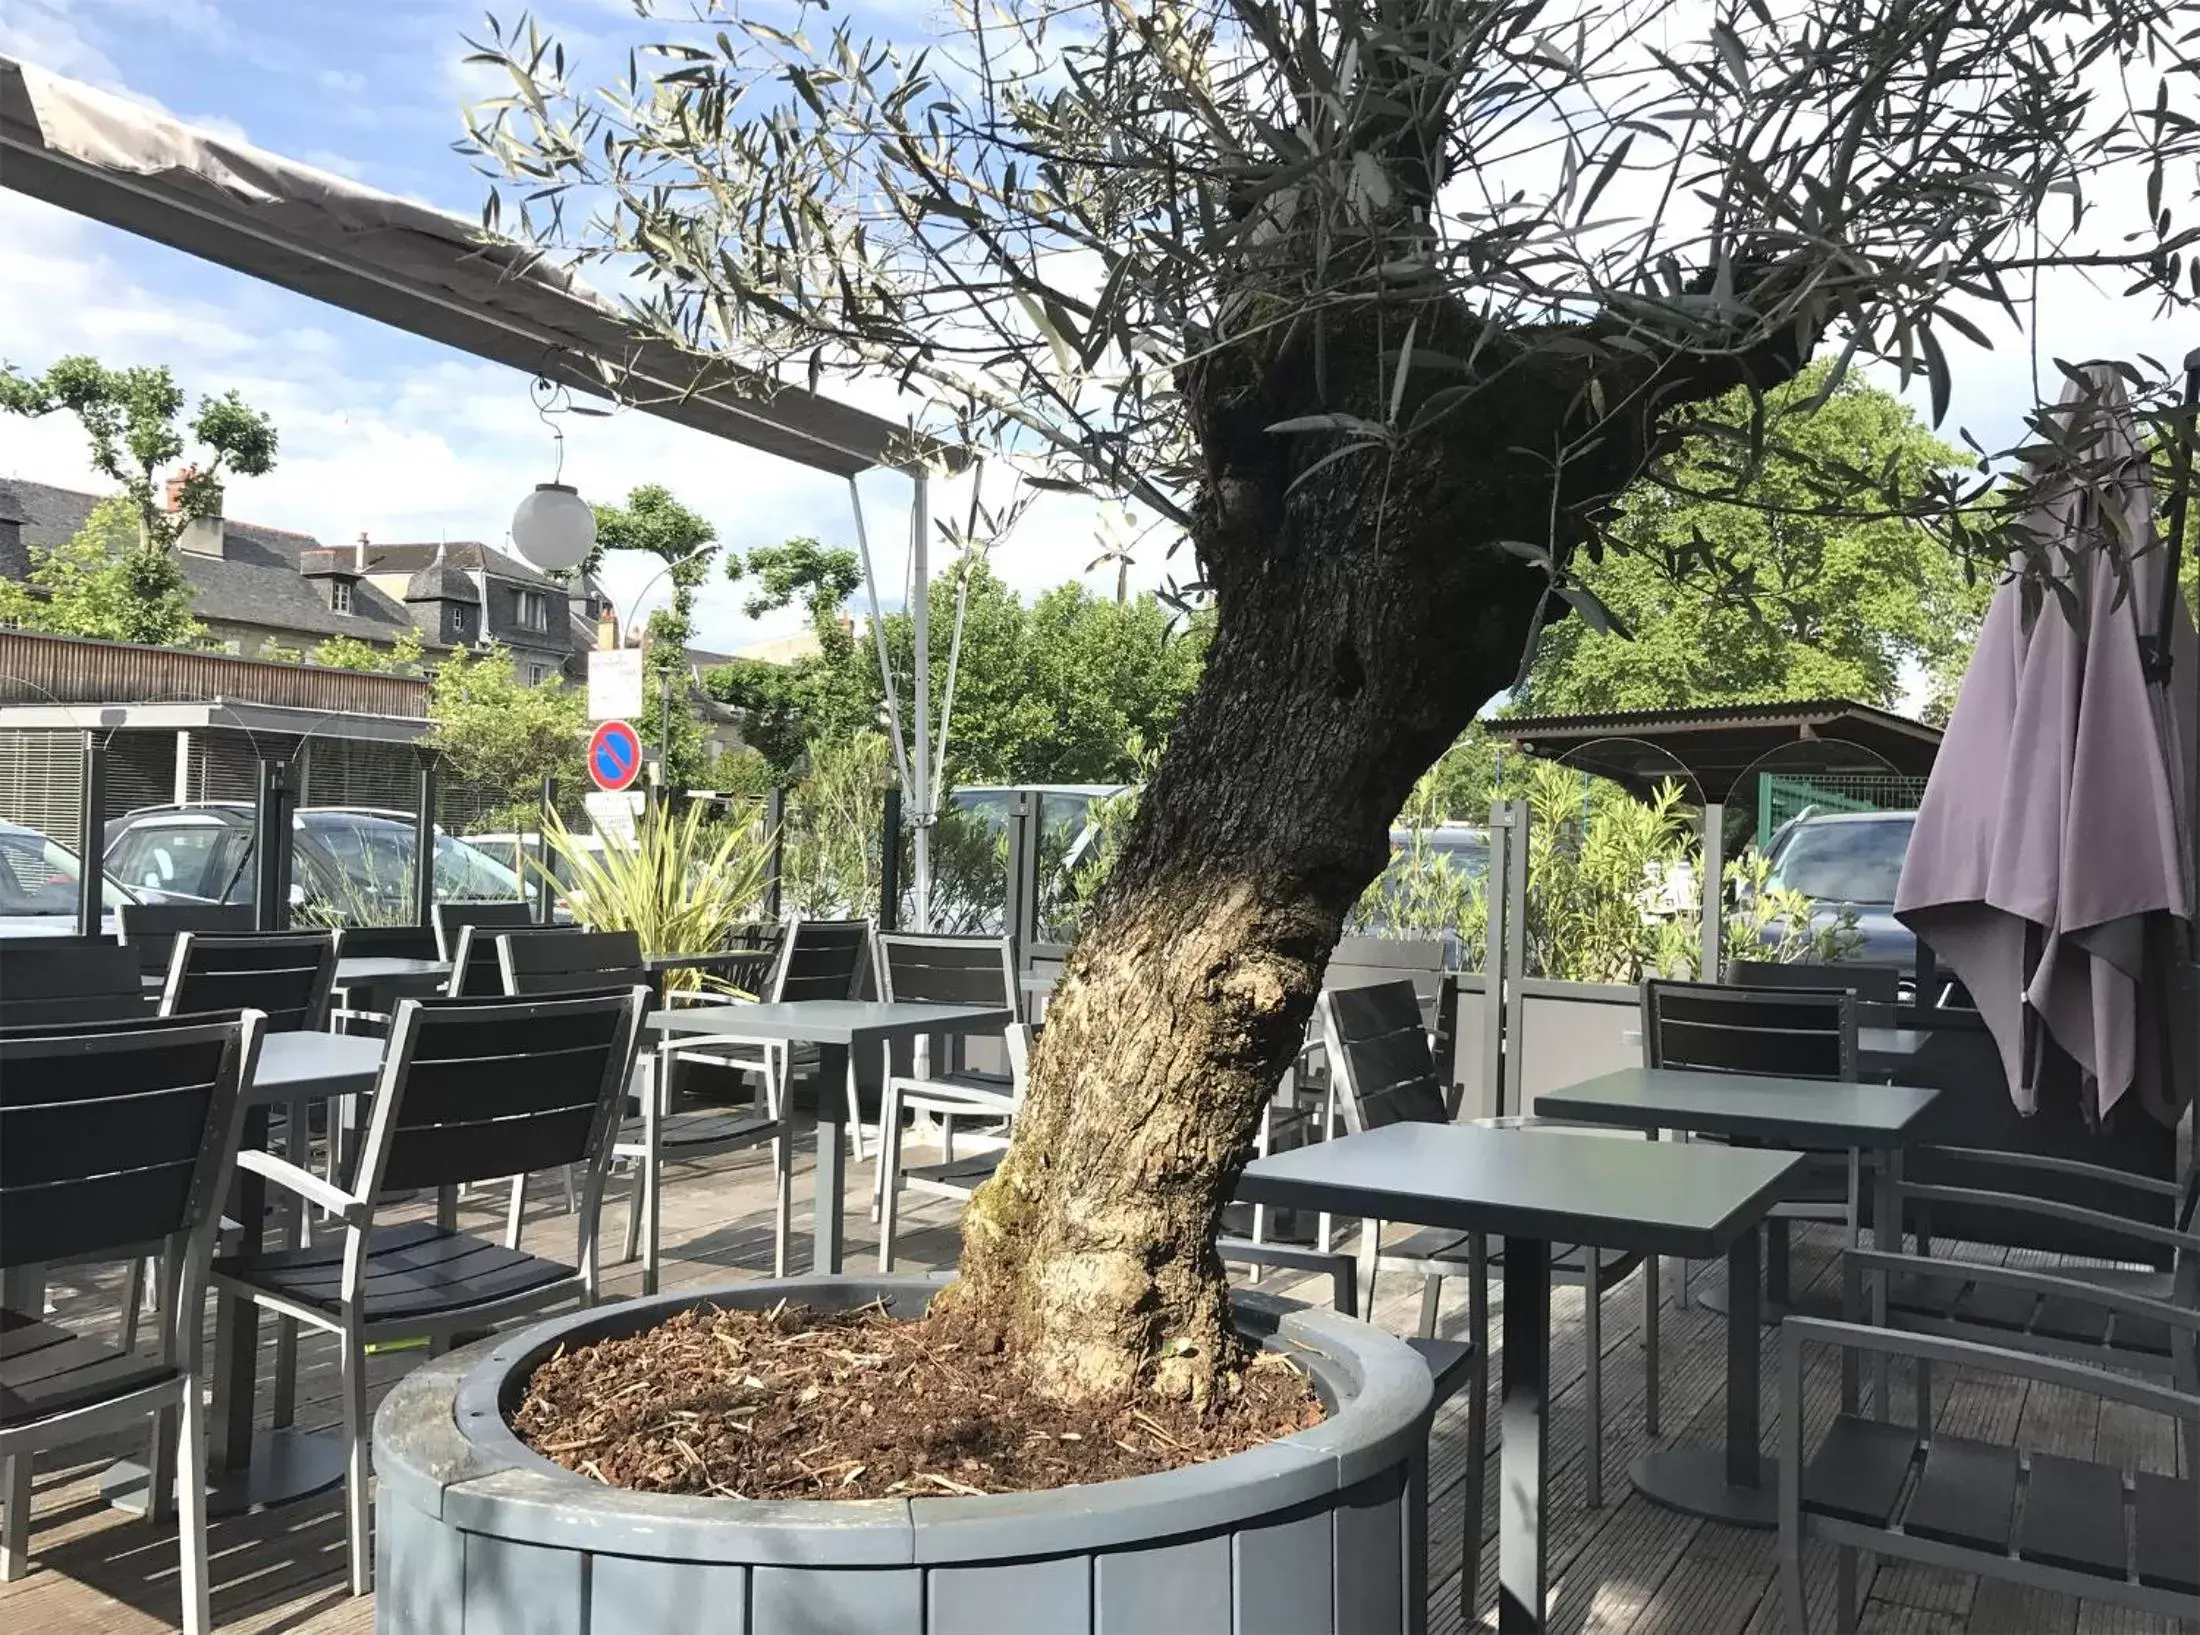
1628,1566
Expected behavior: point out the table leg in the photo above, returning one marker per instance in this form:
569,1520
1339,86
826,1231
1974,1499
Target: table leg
1524,1431
832,1113
1734,1484
1886,1237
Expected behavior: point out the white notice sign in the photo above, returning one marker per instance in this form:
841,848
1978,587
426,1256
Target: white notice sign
613,814
614,684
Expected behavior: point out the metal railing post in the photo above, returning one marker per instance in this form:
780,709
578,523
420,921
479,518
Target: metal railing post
545,896
91,833
889,863
424,839
271,841
775,819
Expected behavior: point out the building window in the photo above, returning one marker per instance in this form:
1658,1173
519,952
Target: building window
537,674
339,595
533,609
462,623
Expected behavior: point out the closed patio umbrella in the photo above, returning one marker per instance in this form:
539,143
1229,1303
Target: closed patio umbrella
2051,862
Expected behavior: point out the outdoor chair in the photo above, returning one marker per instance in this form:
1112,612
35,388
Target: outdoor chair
469,1090
1788,1033
1379,1057
943,970
363,1003
286,974
1878,988
1944,1297
45,980
149,930
473,960
116,1141
2022,1514
955,1177
749,967
653,1134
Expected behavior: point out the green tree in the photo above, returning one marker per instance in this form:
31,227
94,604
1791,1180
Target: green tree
105,585
658,525
1816,591
501,733
820,698
130,418
1385,306
403,657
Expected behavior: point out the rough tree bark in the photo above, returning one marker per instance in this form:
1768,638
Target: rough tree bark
1362,621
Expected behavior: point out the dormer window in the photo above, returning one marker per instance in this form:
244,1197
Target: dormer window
462,622
532,610
339,595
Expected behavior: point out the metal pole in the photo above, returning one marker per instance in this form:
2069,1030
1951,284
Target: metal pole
920,621
271,848
889,863
1495,924
878,636
91,840
1516,962
664,734
1714,894
544,895
775,819
424,841
1016,904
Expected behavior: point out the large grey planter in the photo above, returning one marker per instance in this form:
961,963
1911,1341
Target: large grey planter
1321,1532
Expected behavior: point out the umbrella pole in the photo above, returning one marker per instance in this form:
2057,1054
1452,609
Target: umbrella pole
2184,1052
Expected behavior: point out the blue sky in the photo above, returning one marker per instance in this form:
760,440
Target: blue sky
381,432
405,440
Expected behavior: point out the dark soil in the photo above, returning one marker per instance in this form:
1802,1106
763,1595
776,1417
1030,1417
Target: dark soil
801,1404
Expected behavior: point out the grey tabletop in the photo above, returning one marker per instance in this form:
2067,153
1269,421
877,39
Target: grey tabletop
1658,1197
1793,1112
831,1021
1885,1044
296,1065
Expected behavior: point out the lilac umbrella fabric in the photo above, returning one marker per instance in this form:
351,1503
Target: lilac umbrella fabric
2049,863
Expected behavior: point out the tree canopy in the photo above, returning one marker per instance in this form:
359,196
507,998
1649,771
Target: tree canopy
104,584
501,733
656,524
1802,584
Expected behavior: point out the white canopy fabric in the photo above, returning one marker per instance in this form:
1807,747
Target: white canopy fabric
2052,850
399,262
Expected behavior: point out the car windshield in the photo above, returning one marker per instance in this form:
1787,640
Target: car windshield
1844,862
465,873
39,876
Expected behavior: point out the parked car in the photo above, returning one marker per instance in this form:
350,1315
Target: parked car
38,886
352,863
1849,861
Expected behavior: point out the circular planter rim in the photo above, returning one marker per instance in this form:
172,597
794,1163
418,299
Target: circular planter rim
464,1463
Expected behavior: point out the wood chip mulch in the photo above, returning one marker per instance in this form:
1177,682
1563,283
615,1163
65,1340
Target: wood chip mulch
801,1404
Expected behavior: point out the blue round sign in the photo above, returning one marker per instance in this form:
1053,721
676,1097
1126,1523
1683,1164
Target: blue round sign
614,755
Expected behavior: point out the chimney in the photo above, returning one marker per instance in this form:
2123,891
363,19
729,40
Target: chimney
607,628
359,554
201,536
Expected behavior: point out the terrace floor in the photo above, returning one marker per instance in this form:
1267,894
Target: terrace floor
1627,1566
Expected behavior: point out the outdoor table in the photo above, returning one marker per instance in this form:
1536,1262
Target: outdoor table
835,1027
1533,1188
1757,1110
253,1470
392,972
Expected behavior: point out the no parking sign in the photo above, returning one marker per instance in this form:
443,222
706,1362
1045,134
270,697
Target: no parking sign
614,755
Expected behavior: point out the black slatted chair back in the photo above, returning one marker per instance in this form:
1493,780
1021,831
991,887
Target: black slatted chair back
286,974
477,967
481,1089
1378,1050
456,916
542,962
1877,987
945,970
387,942
117,1135
1790,1033
59,980
149,930
821,959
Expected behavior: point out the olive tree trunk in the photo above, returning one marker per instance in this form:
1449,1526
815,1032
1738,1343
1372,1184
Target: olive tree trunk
1364,617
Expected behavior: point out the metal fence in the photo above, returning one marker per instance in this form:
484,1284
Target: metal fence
1781,799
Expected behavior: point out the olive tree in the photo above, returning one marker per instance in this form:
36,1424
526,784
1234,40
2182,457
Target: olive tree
1381,303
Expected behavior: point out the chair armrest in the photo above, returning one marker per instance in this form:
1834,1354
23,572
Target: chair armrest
2053,1209
352,1211
2053,1166
2099,1296
1796,1332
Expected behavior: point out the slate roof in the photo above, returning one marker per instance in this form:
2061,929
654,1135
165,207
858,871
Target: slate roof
467,555
255,583
439,583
